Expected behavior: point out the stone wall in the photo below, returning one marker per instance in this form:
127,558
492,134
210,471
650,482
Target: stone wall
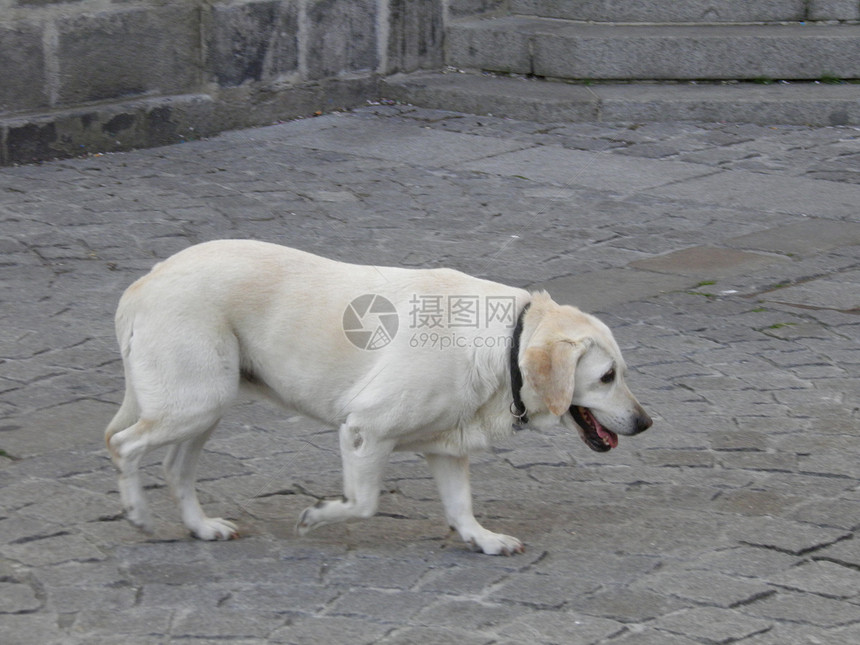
81,76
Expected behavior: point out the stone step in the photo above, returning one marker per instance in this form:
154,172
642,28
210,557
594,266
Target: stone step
816,104
690,10
573,50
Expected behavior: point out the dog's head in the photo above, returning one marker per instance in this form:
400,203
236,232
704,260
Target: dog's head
573,370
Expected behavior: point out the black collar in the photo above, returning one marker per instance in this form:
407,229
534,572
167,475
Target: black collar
518,408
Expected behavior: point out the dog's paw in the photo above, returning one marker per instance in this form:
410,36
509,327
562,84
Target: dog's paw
140,519
215,528
306,521
497,544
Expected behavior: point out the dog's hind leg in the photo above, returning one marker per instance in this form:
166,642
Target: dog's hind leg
177,388
452,478
187,434
127,447
180,466
363,462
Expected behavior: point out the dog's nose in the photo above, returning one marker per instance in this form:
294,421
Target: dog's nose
643,422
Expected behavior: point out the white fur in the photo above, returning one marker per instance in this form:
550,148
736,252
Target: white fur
233,313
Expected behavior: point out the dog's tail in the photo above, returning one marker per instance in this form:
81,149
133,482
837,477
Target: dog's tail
129,410
127,415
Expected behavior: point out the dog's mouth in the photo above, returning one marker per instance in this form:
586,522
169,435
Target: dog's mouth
593,434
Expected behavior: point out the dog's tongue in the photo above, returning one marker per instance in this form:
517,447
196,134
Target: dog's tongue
609,437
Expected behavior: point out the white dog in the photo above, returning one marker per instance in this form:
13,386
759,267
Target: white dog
433,361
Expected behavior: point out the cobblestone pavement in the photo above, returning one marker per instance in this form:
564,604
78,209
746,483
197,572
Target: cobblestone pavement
726,258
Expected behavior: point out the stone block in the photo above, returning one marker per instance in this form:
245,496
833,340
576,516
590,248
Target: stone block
576,50
251,104
509,97
487,44
834,10
697,52
27,142
138,124
22,67
664,10
341,37
254,41
458,8
42,3
528,99
129,52
415,35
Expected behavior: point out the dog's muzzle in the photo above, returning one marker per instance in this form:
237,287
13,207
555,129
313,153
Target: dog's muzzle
597,437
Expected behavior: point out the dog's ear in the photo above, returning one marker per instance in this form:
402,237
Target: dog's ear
550,369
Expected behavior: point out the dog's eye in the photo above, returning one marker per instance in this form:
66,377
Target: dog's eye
608,377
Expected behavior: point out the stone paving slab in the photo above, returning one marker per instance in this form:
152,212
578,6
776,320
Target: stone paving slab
733,519
596,170
602,290
770,192
803,238
707,262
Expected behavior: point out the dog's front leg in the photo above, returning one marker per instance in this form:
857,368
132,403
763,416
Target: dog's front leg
452,478
364,459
